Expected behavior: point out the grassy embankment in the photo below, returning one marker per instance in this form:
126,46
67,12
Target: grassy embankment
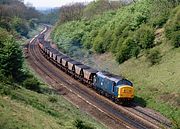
22,108
144,38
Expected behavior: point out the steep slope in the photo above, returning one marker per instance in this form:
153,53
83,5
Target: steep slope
22,108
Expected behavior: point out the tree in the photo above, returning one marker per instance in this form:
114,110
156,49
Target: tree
71,12
11,59
20,26
172,28
127,50
154,56
100,6
98,44
145,37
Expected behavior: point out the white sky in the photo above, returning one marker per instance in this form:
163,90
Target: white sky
52,3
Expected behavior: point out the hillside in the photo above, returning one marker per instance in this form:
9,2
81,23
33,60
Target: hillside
22,108
139,41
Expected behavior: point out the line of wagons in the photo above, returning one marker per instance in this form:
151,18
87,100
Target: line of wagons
112,86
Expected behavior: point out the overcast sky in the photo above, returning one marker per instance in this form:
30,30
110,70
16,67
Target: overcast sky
52,3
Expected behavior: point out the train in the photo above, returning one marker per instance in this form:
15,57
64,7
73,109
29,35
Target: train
116,88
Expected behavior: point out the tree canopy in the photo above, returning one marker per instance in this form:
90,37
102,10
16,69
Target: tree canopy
125,32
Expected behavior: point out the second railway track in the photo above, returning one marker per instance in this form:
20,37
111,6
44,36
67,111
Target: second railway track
112,115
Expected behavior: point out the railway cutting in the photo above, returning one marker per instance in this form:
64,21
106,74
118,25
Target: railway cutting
65,75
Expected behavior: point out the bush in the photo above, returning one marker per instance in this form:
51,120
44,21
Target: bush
11,59
32,84
5,89
79,124
172,28
160,20
52,99
128,49
20,26
145,37
135,51
153,56
98,45
176,39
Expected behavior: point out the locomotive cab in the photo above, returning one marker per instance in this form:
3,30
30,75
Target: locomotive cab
125,90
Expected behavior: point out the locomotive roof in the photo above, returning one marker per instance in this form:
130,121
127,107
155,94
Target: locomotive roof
110,76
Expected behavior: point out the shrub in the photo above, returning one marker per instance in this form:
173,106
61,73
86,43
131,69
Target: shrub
98,45
135,51
153,56
79,124
127,50
11,59
160,20
176,39
172,28
52,99
20,26
32,84
107,39
145,37
5,89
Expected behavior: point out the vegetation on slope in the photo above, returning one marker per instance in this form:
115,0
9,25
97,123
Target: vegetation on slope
144,38
113,31
22,108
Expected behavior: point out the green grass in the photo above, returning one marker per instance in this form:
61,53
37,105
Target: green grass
22,108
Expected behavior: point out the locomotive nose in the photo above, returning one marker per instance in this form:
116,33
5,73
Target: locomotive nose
126,92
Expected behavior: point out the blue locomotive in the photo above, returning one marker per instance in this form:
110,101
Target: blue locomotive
114,86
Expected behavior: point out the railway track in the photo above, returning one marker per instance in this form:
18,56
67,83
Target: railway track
153,117
112,115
